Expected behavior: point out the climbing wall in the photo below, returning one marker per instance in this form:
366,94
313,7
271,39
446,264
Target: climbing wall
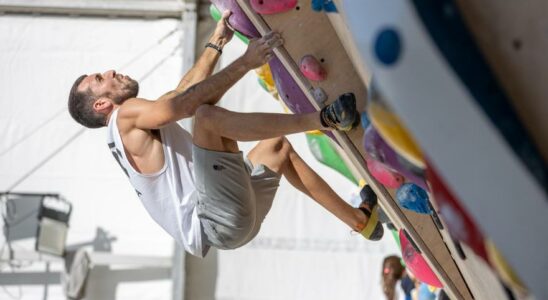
464,77
307,32
441,134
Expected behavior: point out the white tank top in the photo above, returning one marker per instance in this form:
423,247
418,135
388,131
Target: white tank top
166,193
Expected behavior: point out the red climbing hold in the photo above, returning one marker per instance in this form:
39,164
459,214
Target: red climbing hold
459,223
312,69
269,7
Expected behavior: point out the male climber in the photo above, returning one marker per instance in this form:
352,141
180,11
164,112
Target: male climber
199,187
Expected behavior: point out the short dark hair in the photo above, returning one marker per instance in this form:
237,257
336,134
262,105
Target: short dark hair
80,105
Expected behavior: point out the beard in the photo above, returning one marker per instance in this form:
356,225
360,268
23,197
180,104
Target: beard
129,90
132,88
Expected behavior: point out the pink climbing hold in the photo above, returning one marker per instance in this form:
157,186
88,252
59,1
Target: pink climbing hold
312,68
416,263
269,7
387,177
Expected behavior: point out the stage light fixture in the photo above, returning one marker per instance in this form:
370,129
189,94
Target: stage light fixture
53,225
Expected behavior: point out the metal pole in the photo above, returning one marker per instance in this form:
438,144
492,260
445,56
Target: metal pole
128,8
189,20
189,25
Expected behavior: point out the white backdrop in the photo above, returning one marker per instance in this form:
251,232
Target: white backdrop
40,59
302,252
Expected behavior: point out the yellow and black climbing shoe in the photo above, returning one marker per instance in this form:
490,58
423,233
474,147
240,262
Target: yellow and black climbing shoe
373,229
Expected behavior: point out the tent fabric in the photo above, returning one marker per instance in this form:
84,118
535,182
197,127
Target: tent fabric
41,57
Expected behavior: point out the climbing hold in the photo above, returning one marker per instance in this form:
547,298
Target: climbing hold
365,120
289,90
392,130
426,292
269,7
388,46
416,263
238,20
396,237
412,197
459,223
379,150
312,68
505,271
327,5
216,15
266,81
319,96
265,75
263,84
327,152
272,91
387,177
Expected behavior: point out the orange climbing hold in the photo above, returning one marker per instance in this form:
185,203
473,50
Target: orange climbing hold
269,7
312,68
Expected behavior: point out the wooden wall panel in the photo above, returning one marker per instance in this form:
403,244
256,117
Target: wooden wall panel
308,32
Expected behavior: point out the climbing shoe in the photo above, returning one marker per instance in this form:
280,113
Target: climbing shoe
341,114
373,229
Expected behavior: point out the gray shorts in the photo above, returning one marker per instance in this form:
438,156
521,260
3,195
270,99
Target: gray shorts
232,196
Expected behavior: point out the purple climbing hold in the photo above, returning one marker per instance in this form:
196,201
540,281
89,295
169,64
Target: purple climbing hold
288,89
290,92
238,19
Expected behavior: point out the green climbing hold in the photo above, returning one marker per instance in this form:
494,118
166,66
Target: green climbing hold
397,239
325,152
263,84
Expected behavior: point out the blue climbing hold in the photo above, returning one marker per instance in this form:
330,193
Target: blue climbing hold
327,5
365,120
388,46
425,293
413,197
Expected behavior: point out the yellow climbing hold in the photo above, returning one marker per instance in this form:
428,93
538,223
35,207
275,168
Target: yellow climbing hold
395,134
266,79
502,267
